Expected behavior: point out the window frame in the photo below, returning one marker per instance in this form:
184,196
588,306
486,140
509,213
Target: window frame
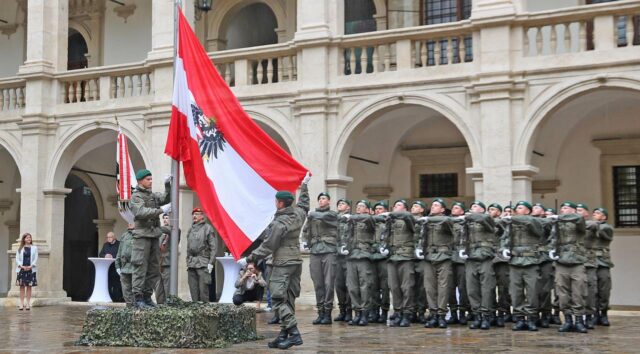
616,203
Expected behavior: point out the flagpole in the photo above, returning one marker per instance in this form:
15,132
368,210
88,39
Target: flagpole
175,172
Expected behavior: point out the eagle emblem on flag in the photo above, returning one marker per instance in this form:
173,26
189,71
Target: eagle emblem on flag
210,138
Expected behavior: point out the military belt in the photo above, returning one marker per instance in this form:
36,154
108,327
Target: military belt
434,249
524,254
482,244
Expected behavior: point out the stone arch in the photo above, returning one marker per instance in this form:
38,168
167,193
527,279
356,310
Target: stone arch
12,145
357,119
63,158
223,14
277,122
551,100
381,8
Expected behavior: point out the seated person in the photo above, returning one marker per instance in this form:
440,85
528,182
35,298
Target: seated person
249,286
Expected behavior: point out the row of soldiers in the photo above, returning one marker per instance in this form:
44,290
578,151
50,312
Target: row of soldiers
459,261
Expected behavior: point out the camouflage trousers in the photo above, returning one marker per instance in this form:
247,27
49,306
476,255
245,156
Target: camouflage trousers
284,285
162,286
546,286
342,292
145,257
322,268
199,280
125,281
571,287
359,277
524,289
481,286
437,283
402,285
604,287
380,289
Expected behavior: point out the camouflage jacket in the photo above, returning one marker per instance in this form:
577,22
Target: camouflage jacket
523,236
590,238
567,239
321,231
201,245
479,237
343,230
361,236
282,239
458,229
165,248
437,238
501,225
399,236
145,206
381,225
123,260
601,246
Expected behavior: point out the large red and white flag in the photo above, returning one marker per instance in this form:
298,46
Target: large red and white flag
125,177
234,167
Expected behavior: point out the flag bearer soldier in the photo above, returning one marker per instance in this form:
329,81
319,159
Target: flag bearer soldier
501,268
342,293
479,245
201,256
436,246
398,244
282,241
358,246
146,207
521,244
418,210
567,249
547,270
320,234
458,308
380,290
603,258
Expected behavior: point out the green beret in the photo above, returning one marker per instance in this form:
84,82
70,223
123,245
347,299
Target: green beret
382,203
551,210
495,205
602,210
460,204
420,203
525,203
284,195
347,201
582,205
439,201
569,204
324,194
539,205
141,174
365,202
406,205
508,207
479,203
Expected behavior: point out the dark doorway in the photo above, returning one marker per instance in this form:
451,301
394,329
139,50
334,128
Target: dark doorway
76,51
80,239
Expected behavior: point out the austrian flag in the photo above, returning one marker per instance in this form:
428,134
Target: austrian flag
234,167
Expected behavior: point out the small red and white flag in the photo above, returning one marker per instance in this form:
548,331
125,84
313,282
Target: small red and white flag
234,167
125,177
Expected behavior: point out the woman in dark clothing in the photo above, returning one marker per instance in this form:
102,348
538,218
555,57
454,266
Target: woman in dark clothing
26,259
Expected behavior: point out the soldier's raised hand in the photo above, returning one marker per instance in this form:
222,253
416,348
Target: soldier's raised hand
419,253
168,178
463,254
384,252
306,178
344,251
303,246
552,255
506,254
166,208
209,268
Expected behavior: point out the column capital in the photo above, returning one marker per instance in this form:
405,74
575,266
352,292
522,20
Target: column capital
56,192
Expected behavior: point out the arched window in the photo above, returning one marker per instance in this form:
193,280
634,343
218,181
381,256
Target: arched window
76,51
358,16
252,26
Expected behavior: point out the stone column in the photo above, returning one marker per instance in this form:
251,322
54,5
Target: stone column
104,226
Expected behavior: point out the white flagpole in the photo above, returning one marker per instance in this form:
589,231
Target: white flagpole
175,184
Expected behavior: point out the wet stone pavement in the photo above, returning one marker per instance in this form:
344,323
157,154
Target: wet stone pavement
54,329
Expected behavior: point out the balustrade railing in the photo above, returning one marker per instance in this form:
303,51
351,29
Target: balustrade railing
257,65
12,94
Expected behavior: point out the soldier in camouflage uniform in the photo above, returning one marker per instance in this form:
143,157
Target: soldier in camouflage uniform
418,210
342,292
162,287
521,242
555,315
146,207
282,241
501,268
603,260
458,308
436,246
201,256
358,246
567,249
380,289
399,245
478,247
591,266
320,234
547,270
124,268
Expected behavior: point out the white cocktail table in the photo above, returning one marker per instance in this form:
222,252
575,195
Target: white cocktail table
101,284
231,271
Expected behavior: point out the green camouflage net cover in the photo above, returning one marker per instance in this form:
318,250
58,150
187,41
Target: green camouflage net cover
178,324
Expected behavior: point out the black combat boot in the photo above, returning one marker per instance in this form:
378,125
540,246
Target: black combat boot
486,321
590,322
341,315
432,321
441,322
453,319
293,339
319,318
326,318
274,320
281,337
476,322
604,319
545,320
520,325
356,319
462,319
422,318
555,318
500,319
396,318
138,302
383,316
364,319
349,316
147,301
373,315
532,323
413,317
492,319
508,317
406,320
568,324
580,327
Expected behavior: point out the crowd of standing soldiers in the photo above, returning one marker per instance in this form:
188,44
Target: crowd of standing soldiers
483,266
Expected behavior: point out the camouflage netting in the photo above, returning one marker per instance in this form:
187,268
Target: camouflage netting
178,324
